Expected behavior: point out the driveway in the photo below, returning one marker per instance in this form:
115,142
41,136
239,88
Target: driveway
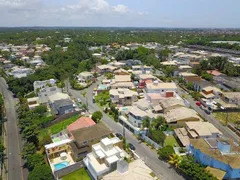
160,168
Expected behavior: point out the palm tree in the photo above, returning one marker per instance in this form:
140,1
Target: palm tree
175,160
146,124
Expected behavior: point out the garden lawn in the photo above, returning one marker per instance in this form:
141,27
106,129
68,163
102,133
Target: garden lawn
56,128
171,141
80,174
232,117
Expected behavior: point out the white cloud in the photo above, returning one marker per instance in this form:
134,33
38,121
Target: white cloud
121,8
82,13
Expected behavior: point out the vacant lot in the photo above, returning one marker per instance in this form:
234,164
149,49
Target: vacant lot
232,117
56,128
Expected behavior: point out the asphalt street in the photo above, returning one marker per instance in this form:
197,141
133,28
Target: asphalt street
14,143
225,130
160,168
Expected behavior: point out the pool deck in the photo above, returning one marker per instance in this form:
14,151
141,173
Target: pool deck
59,160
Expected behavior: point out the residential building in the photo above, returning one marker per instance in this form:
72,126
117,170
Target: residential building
117,64
211,92
85,77
121,72
59,152
124,97
122,78
67,40
146,77
196,130
105,69
128,85
41,84
84,138
218,153
44,93
169,63
179,116
194,64
199,85
61,103
231,97
134,170
19,72
214,72
161,88
139,111
33,102
104,157
141,68
133,62
171,103
202,130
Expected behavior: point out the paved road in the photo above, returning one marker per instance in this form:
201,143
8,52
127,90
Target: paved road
160,168
14,168
225,130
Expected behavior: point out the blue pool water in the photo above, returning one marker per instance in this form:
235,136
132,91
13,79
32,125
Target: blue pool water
61,165
125,109
102,87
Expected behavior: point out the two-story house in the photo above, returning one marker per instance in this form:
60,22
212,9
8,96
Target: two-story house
104,157
161,88
123,97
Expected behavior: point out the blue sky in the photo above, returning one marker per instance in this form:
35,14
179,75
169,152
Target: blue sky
122,13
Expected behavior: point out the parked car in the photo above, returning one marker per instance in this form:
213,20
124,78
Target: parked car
79,100
132,147
119,135
93,100
198,103
207,111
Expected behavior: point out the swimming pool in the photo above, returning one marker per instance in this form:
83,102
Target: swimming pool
61,165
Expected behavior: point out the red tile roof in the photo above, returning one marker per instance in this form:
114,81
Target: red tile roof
82,122
214,72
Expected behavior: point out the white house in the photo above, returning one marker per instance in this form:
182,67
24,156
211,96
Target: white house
161,88
104,157
123,97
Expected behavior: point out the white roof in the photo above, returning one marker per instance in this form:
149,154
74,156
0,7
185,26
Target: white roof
137,170
161,85
122,78
112,159
59,143
58,96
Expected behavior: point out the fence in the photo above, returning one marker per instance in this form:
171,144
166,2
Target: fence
62,172
227,110
147,139
62,118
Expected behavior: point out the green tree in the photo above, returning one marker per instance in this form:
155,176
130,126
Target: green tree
158,136
41,172
165,152
34,160
30,133
28,149
97,116
40,110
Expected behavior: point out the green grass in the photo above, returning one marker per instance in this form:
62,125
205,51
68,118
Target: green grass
80,174
232,117
57,127
171,141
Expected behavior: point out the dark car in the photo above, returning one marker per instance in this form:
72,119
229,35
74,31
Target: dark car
132,147
207,111
93,100
119,135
